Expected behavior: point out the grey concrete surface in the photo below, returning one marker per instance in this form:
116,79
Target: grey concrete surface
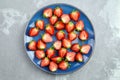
103,65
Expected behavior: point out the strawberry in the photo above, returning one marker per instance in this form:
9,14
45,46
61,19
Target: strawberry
58,11
75,47
74,15
63,65
53,66
69,27
85,49
59,25
62,52
47,12
50,52
60,35
79,57
72,36
40,24
50,29
70,56
56,59
41,44
32,45
57,45
39,54
79,25
44,62
53,19
65,18
66,43
83,35
33,32
47,38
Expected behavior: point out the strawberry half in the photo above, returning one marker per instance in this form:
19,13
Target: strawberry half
39,54
60,35
47,12
63,65
33,32
75,47
85,49
65,18
58,11
41,44
74,15
79,57
40,24
47,38
83,35
53,66
56,59
62,52
50,29
50,52
59,25
57,45
79,25
32,45
72,36
44,62
53,19
70,56
69,27
66,43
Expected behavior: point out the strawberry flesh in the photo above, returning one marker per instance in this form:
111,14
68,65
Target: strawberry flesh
70,56
53,66
32,45
39,54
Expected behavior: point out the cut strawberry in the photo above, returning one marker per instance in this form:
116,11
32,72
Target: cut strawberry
79,57
75,47
58,11
62,52
39,54
65,18
57,45
47,38
70,56
50,29
63,65
66,43
53,66
83,35
40,24
53,19
41,44
50,52
69,27
72,36
59,25
74,15
32,45
60,35
47,12
44,62
33,32
79,25
85,49
56,59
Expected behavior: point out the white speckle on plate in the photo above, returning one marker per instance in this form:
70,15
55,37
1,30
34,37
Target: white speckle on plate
91,42
31,54
32,24
28,39
85,58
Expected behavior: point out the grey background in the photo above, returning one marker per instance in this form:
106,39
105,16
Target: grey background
103,65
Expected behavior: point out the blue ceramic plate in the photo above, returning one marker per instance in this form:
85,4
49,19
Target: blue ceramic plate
66,9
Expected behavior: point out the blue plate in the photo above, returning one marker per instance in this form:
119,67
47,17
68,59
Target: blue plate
66,9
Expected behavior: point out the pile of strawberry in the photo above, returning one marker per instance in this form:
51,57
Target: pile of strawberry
62,23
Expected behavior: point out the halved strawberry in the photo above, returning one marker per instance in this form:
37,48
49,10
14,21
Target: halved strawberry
70,56
75,47
60,35
50,52
79,25
79,57
69,27
65,18
58,11
53,19
63,65
57,45
85,48
47,38
40,24
59,25
44,62
62,52
41,44
32,45
33,32
66,43
39,54
74,15
83,35
47,12
56,59
50,29
72,36
53,66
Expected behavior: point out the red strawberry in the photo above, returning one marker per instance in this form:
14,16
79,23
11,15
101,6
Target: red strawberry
63,65
50,52
70,56
79,25
47,12
79,57
72,36
58,11
83,35
85,49
44,62
53,19
75,47
33,32
40,24
75,15
32,45
47,38
53,66
66,43
69,27
62,52
56,59
59,25
60,35
39,54
65,18
57,45
50,29
41,44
